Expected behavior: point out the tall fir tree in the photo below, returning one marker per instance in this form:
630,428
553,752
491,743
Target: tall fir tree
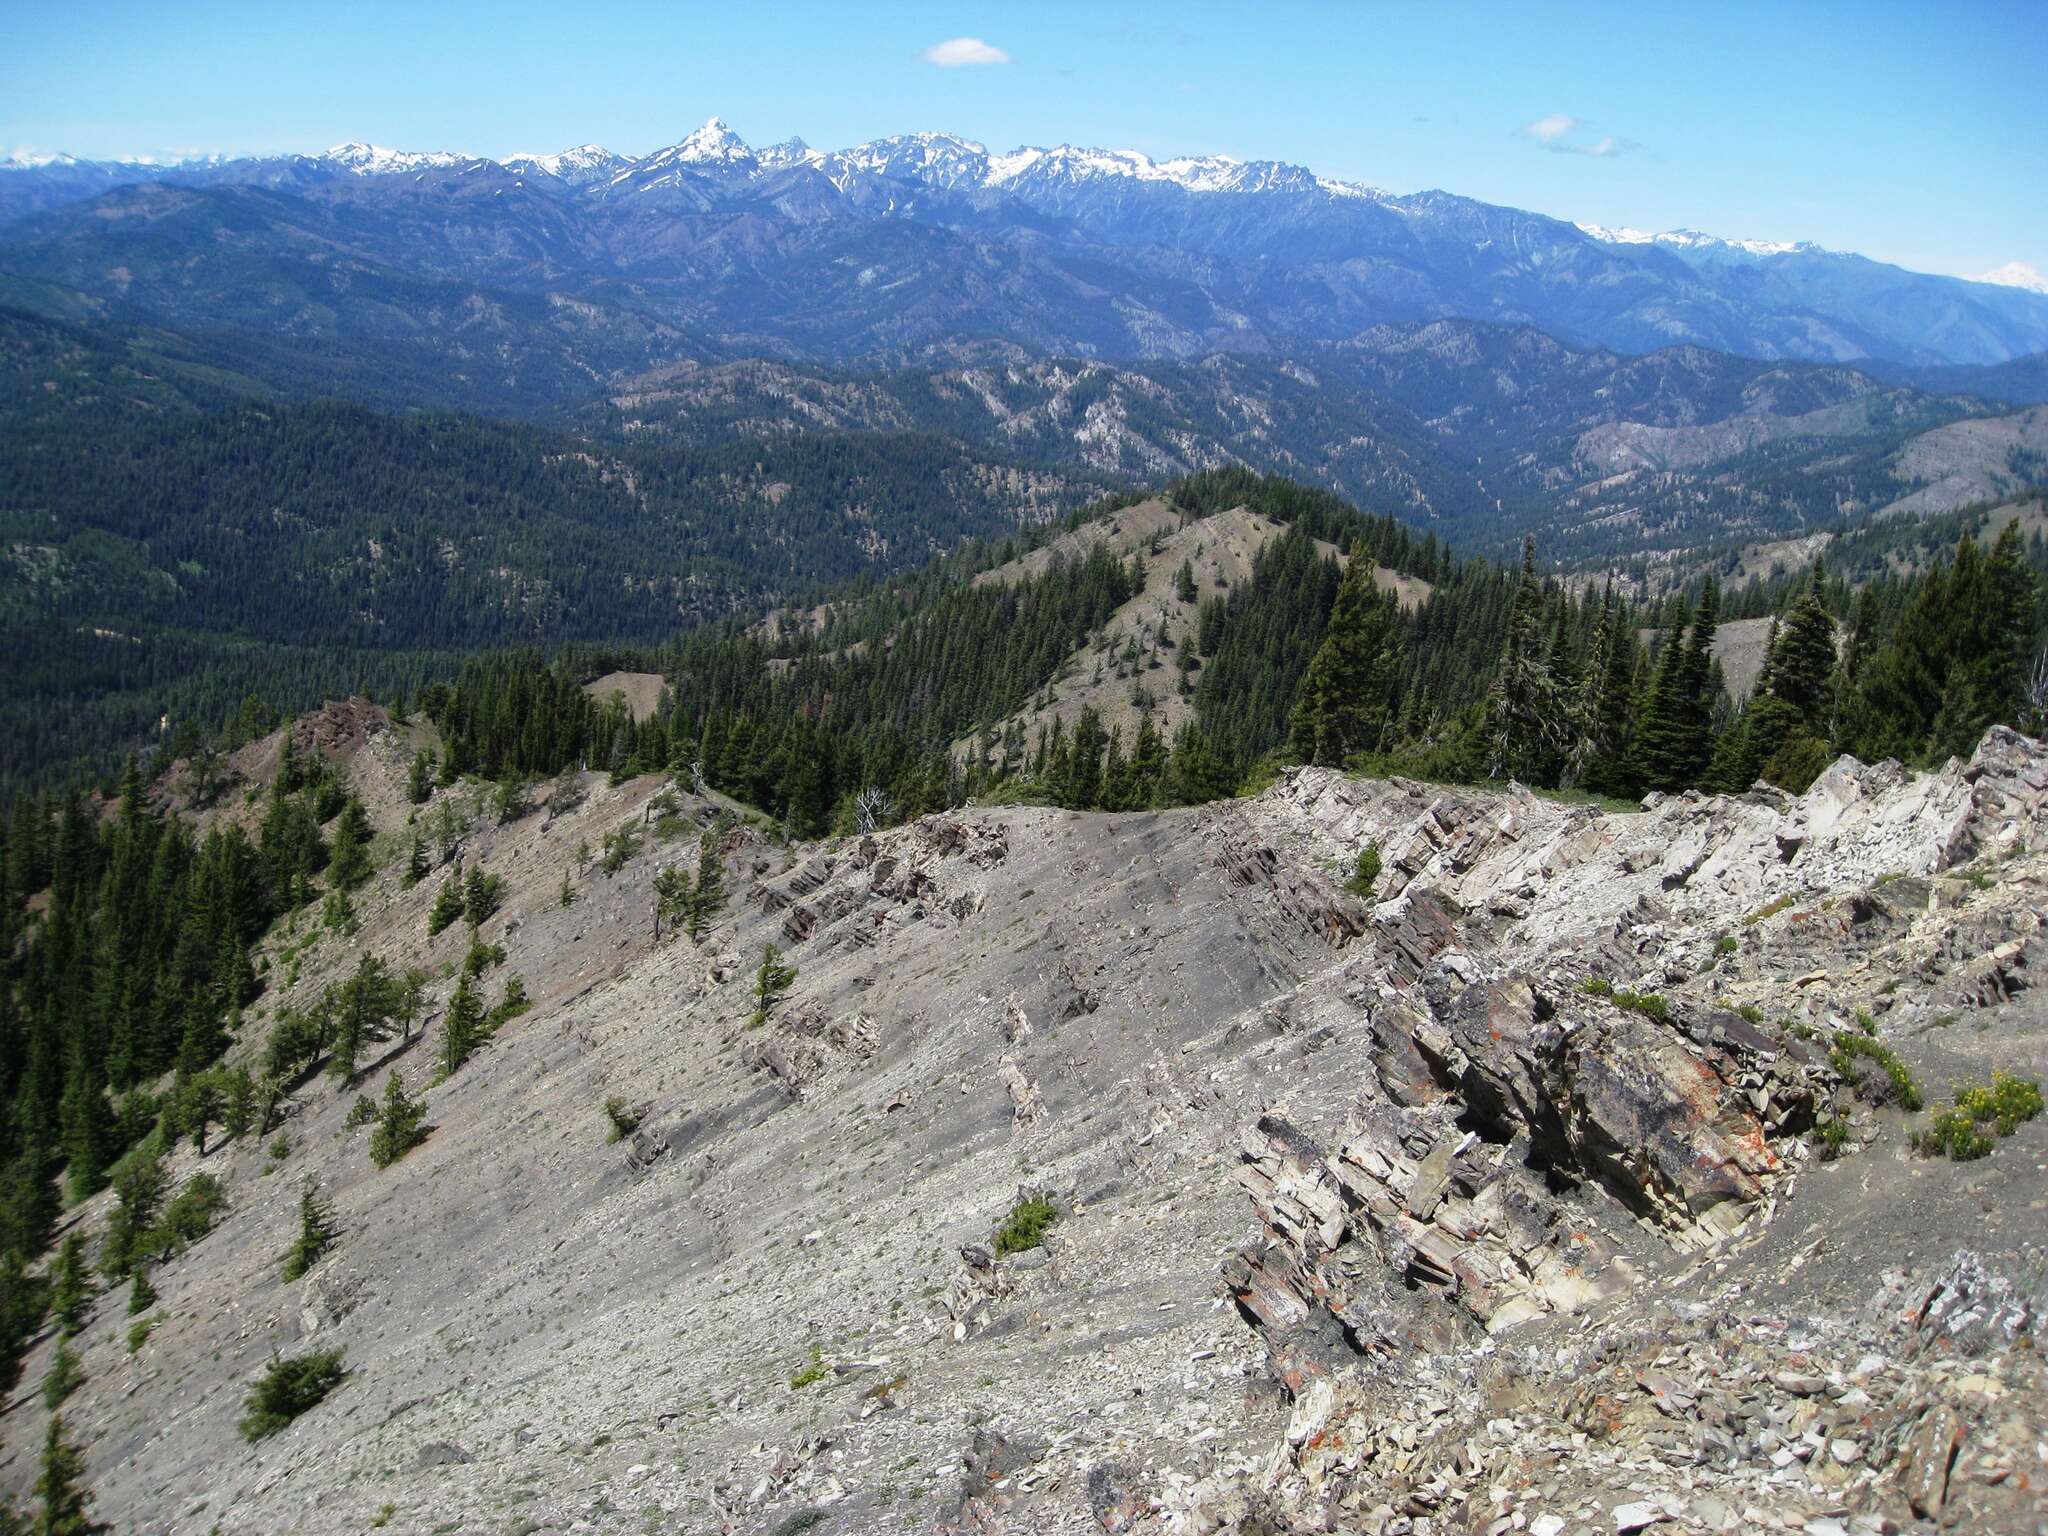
1345,696
61,1489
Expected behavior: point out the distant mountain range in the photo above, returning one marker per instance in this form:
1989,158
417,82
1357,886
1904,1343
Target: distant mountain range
509,285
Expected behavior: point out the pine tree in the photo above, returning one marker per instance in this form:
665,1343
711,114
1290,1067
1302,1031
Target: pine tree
673,891
1675,737
462,1031
316,1233
348,864
770,982
64,1377
24,1298
61,1487
1345,696
416,863
419,779
1526,725
447,905
480,895
400,1124
362,1007
707,898
71,1292
141,1294
87,1119
1607,709
1196,773
1184,582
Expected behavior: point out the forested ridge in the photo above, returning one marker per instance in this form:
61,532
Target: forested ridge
125,936
168,545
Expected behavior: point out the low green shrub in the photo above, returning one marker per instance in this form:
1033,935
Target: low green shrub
1650,1004
1954,1135
1831,1136
1959,1132
1365,877
1026,1225
624,1117
190,1215
287,1388
811,1374
1842,1054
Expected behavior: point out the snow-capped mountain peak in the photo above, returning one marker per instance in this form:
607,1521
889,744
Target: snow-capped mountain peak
20,160
1694,241
1192,173
375,160
715,143
2014,274
584,163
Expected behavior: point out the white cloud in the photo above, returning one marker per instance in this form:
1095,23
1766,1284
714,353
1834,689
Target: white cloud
1548,130
956,52
1600,147
1563,134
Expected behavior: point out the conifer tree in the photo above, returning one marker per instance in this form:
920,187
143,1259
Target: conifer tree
61,1487
1526,725
462,1031
672,892
87,1119
416,862
64,1377
419,779
1148,762
1345,695
24,1298
316,1233
480,895
400,1124
448,905
348,864
71,1291
1196,774
770,982
707,897
141,1294
1675,737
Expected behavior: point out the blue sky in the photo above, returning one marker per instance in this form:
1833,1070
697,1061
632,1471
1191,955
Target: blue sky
1915,133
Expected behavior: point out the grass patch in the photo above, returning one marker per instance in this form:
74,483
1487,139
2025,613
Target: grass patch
811,1374
1767,910
1650,1005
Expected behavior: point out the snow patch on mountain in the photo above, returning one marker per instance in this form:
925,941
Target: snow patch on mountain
375,160
2014,274
1694,241
584,163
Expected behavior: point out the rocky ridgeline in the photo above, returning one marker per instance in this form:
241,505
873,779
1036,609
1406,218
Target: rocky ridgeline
1524,1149
1538,1192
